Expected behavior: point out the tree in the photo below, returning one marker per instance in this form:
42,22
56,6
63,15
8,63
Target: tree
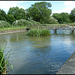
18,13
57,16
10,18
62,17
52,20
2,15
72,15
40,12
65,17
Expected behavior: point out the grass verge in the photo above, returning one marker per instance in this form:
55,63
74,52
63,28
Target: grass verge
12,28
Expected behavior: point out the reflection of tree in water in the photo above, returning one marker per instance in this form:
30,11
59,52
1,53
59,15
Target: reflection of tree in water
40,42
41,45
72,37
3,41
17,37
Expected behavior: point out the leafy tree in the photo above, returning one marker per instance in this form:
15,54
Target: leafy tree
65,17
52,20
72,15
57,16
10,18
18,13
2,15
40,12
62,17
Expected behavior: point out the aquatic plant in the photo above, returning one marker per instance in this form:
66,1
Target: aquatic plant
4,60
38,32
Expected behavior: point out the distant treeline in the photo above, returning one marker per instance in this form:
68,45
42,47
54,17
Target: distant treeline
40,12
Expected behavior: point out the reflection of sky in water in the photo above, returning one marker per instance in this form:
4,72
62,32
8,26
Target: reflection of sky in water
31,55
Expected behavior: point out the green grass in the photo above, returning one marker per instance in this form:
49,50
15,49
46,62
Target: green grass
4,60
23,27
12,28
38,32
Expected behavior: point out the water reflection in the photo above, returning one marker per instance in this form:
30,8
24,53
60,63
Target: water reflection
40,42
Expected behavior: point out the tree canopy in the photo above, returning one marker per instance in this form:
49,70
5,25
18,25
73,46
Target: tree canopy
40,11
18,13
62,17
72,15
2,15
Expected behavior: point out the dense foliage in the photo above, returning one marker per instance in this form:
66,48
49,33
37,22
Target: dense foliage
3,15
52,20
38,32
4,24
23,22
62,17
40,11
10,18
16,13
72,15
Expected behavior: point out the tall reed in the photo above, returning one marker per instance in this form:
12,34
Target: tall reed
38,32
4,60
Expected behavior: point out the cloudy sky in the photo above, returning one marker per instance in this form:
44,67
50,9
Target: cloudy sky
57,6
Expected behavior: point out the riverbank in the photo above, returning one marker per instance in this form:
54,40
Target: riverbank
69,66
12,29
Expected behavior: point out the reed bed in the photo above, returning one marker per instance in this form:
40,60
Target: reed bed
38,32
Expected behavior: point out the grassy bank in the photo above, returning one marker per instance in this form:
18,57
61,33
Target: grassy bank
12,28
38,32
33,26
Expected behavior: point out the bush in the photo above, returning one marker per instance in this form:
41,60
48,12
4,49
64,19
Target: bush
35,23
4,24
38,32
23,22
52,20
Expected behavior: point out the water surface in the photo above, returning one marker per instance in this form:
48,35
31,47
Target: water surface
38,55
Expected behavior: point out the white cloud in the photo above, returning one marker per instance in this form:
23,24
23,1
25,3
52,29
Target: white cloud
66,9
5,5
68,6
69,3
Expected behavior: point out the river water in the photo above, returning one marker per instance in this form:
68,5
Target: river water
38,55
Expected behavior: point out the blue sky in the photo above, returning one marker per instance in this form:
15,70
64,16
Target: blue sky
57,6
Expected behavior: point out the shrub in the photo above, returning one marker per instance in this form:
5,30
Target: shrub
4,24
35,23
38,32
21,22
52,20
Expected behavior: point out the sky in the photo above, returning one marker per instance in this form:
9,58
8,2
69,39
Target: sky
57,6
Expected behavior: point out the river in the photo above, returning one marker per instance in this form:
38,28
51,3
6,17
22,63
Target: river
38,55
